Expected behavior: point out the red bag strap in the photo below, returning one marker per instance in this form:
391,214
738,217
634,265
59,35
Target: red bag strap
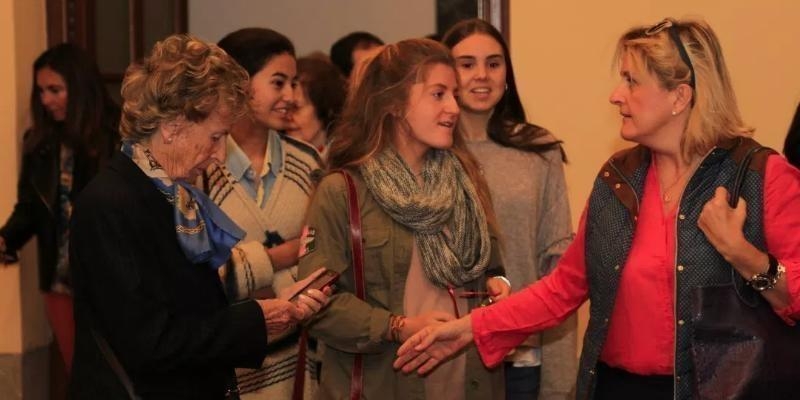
357,250
356,239
300,370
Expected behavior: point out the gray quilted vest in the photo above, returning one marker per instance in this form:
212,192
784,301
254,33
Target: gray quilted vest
610,224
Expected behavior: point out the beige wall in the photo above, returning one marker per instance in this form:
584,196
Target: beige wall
562,53
22,38
313,25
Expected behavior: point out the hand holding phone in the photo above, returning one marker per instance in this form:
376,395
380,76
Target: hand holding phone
323,280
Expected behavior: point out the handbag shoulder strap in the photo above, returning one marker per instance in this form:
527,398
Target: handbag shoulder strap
357,250
356,238
741,173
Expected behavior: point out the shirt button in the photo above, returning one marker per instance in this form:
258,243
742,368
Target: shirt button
591,371
606,174
617,186
681,217
616,268
680,322
680,267
677,378
474,383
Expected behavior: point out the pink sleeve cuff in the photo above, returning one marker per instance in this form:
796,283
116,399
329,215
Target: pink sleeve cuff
490,354
791,313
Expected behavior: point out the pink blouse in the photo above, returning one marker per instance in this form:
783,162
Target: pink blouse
641,335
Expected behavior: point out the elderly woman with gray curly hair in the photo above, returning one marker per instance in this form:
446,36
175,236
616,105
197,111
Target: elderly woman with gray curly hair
152,317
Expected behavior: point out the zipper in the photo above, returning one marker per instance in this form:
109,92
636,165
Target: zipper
675,280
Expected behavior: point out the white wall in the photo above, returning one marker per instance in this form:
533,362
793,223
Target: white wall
313,25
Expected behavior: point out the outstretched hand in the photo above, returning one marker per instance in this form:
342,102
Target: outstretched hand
432,345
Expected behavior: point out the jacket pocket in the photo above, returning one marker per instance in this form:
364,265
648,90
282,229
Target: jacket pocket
376,258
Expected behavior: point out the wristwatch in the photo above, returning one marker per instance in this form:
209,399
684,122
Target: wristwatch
767,280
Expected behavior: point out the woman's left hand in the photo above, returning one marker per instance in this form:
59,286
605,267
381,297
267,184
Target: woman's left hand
722,224
498,289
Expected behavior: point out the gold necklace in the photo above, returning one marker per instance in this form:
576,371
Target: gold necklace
665,196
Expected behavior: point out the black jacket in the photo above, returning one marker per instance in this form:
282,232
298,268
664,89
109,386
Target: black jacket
167,320
37,209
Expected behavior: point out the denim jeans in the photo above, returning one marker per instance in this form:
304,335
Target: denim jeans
522,383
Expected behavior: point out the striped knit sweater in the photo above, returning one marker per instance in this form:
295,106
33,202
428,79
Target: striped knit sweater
250,269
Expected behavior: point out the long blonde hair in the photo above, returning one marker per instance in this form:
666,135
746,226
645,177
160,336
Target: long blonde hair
715,114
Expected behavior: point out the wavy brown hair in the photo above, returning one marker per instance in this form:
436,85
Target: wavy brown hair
183,77
370,118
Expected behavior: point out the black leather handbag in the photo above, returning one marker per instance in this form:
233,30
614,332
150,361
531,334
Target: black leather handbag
740,348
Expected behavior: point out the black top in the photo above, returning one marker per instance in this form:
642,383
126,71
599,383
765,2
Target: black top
167,320
37,209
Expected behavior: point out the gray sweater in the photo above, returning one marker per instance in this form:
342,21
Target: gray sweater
529,195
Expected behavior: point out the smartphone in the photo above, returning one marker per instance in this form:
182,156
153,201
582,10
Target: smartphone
326,279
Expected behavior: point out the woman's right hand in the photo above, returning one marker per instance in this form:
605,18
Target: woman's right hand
282,315
5,257
434,344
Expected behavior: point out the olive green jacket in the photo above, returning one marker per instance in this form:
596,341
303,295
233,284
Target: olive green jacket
348,325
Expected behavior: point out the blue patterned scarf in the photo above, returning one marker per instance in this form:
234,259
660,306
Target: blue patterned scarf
204,232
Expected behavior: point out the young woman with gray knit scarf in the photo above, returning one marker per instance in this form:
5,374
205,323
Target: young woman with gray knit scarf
427,223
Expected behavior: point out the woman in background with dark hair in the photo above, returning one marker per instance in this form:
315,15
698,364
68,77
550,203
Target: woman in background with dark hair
791,147
531,205
318,102
74,132
349,50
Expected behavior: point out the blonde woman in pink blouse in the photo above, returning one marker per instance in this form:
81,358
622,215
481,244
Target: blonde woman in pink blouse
657,225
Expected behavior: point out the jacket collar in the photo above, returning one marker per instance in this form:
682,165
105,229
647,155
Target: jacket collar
624,171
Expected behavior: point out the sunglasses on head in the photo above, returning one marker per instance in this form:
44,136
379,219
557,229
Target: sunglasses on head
672,29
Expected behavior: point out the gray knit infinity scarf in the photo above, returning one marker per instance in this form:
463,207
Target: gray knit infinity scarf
444,212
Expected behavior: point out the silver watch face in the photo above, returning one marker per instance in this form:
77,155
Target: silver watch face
761,282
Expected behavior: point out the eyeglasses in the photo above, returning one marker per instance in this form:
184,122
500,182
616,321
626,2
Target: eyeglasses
672,27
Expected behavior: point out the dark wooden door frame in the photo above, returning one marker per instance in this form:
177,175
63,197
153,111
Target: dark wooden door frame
74,21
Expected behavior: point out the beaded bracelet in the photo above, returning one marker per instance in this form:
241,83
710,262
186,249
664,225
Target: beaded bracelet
396,324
